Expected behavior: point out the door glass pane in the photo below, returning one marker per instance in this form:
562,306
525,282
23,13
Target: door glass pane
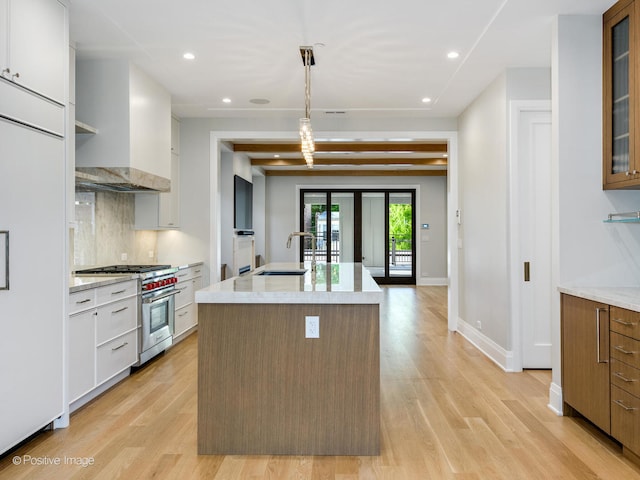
315,222
342,219
373,233
400,234
620,107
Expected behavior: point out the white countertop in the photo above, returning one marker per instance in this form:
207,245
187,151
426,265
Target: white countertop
346,283
85,282
623,297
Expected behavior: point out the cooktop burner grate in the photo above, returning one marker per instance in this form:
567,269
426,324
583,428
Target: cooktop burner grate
115,269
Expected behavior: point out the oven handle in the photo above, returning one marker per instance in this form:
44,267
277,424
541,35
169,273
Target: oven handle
160,297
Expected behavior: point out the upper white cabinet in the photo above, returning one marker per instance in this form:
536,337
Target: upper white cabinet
33,45
132,113
175,136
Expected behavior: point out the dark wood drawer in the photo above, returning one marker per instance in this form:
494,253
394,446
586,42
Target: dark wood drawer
625,349
625,322
625,377
625,418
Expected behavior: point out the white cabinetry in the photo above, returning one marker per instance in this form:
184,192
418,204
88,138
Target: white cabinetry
102,337
33,45
132,113
162,211
189,280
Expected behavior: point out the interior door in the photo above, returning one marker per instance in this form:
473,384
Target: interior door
534,191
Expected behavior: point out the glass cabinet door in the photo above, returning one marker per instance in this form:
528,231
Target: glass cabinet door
619,96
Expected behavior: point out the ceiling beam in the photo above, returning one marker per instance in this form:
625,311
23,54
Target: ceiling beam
343,147
355,173
296,162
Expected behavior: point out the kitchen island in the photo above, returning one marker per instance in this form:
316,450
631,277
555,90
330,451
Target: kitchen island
290,364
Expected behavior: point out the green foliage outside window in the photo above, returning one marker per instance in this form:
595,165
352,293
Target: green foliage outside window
400,225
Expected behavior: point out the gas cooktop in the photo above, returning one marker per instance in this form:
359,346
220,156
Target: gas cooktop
115,269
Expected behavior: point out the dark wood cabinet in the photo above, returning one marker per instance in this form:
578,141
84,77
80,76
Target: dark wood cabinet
621,167
585,355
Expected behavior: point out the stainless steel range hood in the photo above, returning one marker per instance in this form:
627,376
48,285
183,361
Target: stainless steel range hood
119,179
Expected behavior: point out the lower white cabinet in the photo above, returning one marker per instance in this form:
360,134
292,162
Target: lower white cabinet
82,349
186,315
115,356
103,338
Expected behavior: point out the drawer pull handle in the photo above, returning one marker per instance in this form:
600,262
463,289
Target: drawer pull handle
183,275
182,314
121,346
83,301
625,323
623,378
598,359
120,310
118,292
620,403
621,349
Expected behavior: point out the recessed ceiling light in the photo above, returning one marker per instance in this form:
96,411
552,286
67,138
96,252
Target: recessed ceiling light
189,56
276,156
226,100
453,55
426,100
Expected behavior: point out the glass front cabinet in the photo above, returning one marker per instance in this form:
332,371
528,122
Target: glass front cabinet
621,168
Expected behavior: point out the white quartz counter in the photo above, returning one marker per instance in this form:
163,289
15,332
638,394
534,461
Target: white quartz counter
86,282
336,283
623,297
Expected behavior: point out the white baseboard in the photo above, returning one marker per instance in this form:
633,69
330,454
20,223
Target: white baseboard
555,398
501,357
432,282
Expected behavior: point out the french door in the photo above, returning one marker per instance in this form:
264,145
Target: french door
374,227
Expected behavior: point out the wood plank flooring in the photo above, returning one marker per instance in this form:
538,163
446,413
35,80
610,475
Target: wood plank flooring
447,413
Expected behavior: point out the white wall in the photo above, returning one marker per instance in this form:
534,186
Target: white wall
484,199
282,200
483,194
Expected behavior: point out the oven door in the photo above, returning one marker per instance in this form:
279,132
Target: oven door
157,318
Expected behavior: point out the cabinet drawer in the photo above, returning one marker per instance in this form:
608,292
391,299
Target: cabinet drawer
117,355
116,318
625,418
184,319
626,322
117,291
625,349
185,294
25,107
625,377
82,300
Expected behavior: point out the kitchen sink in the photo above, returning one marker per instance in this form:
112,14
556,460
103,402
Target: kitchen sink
282,272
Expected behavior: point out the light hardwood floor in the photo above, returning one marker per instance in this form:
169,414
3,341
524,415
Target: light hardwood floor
447,413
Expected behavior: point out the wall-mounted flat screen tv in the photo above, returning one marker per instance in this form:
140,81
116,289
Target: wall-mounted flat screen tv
242,203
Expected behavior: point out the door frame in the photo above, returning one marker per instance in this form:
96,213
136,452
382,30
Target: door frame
516,108
357,227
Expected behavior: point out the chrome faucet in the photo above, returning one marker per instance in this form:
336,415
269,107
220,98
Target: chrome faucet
313,245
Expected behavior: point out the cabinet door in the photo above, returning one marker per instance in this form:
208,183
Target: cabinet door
585,354
31,344
82,354
169,206
619,96
38,46
4,26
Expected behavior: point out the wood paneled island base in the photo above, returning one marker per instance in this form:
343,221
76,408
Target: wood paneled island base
265,389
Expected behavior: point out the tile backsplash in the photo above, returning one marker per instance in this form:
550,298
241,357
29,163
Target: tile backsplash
105,233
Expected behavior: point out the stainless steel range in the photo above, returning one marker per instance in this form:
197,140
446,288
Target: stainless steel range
156,311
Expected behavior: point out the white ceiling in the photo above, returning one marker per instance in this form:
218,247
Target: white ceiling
378,57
